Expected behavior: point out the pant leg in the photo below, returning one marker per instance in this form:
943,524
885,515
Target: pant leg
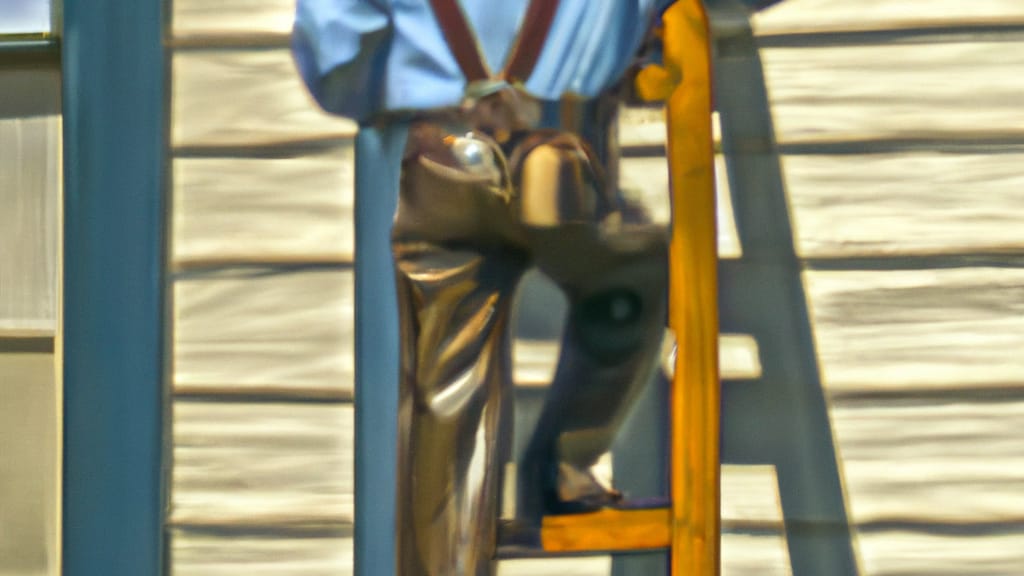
610,350
615,276
456,271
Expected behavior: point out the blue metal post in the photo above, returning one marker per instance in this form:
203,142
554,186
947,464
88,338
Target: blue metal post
378,157
114,143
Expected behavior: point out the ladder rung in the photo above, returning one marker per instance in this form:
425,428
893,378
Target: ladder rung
609,530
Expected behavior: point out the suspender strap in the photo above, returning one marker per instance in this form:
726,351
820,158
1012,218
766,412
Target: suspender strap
462,42
536,25
460,38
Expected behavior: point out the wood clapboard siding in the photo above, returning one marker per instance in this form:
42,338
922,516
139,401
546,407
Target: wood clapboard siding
282,464
750,554
901,330
943,465
257,331
890,553
810,15
855,200
245,98
300,208
872,204
263,486
890,331
922,91
225,17
197,553
919,553
264,210
212,555
291,464
750,498
891,151
921,202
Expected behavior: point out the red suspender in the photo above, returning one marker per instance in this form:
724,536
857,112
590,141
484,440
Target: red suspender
533,34
462,42
460,38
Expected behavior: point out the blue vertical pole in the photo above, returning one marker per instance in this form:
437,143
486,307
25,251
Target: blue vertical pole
378,158
114,142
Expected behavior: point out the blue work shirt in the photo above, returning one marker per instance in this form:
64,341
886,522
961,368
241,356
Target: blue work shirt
363,57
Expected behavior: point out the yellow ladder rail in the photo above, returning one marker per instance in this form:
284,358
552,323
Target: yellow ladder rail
693,299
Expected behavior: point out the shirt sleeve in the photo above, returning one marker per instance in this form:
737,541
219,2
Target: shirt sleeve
340,49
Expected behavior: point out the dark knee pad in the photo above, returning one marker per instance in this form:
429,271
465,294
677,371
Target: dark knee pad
610,325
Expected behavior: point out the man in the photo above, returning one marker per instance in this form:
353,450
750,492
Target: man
508,164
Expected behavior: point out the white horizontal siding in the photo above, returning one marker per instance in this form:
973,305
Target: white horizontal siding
254,330
245,98
912,470
895,91
232,16
262,464
903,330
281,209
917,203
810,15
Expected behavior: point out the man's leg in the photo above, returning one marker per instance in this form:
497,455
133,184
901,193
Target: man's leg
455,386
610,349
456,272
615,275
